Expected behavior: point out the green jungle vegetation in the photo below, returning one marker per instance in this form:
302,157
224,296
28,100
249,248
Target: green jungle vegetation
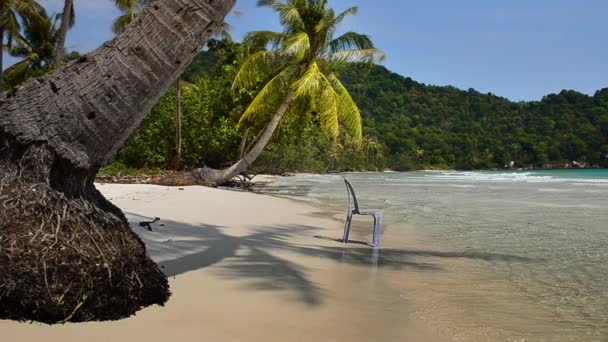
407,125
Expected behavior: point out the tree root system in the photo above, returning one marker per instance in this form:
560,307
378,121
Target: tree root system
66,253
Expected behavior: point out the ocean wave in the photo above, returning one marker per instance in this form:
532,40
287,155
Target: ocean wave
528,177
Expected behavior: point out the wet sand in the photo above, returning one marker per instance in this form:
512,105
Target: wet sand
247,267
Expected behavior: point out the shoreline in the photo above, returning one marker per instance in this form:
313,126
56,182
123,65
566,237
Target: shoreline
246,266
181,178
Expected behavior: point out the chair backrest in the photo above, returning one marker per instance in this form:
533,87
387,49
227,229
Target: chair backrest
351,194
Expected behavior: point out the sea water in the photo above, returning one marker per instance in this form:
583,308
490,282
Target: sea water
548,231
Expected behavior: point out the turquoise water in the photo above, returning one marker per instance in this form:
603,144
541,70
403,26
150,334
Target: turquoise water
591,174
555,220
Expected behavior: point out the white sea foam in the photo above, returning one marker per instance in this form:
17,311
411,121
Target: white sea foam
551,190
527,177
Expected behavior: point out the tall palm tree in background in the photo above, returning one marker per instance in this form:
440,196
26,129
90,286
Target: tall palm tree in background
333,155
372,147
419,152
68,19
10,27
36,47
297,66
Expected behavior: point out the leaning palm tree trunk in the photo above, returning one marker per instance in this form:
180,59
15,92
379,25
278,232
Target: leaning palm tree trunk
244,142
1,58
219,177
66,19
66,253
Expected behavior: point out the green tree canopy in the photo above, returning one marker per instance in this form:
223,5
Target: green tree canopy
10,26
303,59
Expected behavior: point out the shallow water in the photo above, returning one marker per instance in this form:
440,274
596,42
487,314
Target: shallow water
534,244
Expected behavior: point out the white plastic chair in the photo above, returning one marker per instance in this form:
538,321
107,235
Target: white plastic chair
353,209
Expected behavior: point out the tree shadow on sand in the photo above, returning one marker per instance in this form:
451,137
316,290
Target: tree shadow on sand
179,248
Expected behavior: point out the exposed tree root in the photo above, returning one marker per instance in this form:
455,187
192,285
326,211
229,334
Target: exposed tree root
66,253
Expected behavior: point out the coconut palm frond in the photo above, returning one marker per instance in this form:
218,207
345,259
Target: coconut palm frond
289,13
127,5
357,56
290,16
329,107
331,21
256,68
273,90
223,31
28,8
120,24
15,12
313,84
12,25
349,113
258,40
298,45
20,48
130,9
310,82
17,73
349,11
351,41
266,3
36,44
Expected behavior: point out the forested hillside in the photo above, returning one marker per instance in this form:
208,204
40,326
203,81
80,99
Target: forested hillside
407,125
467,129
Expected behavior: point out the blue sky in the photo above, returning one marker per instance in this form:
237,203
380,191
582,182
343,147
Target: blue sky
519,49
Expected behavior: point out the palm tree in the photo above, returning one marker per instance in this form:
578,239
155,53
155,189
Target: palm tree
419,152
67,252
371,149
68,19
36,47
298,65
130,9
333,155
10,27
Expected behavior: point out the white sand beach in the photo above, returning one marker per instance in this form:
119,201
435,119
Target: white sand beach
247,267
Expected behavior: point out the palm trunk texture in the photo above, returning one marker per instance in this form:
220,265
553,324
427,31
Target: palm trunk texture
244,143
1,57
218,177
66,253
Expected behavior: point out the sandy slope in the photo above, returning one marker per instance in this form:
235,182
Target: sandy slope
246,267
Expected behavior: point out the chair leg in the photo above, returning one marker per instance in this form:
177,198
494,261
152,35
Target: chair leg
349,221
377,225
